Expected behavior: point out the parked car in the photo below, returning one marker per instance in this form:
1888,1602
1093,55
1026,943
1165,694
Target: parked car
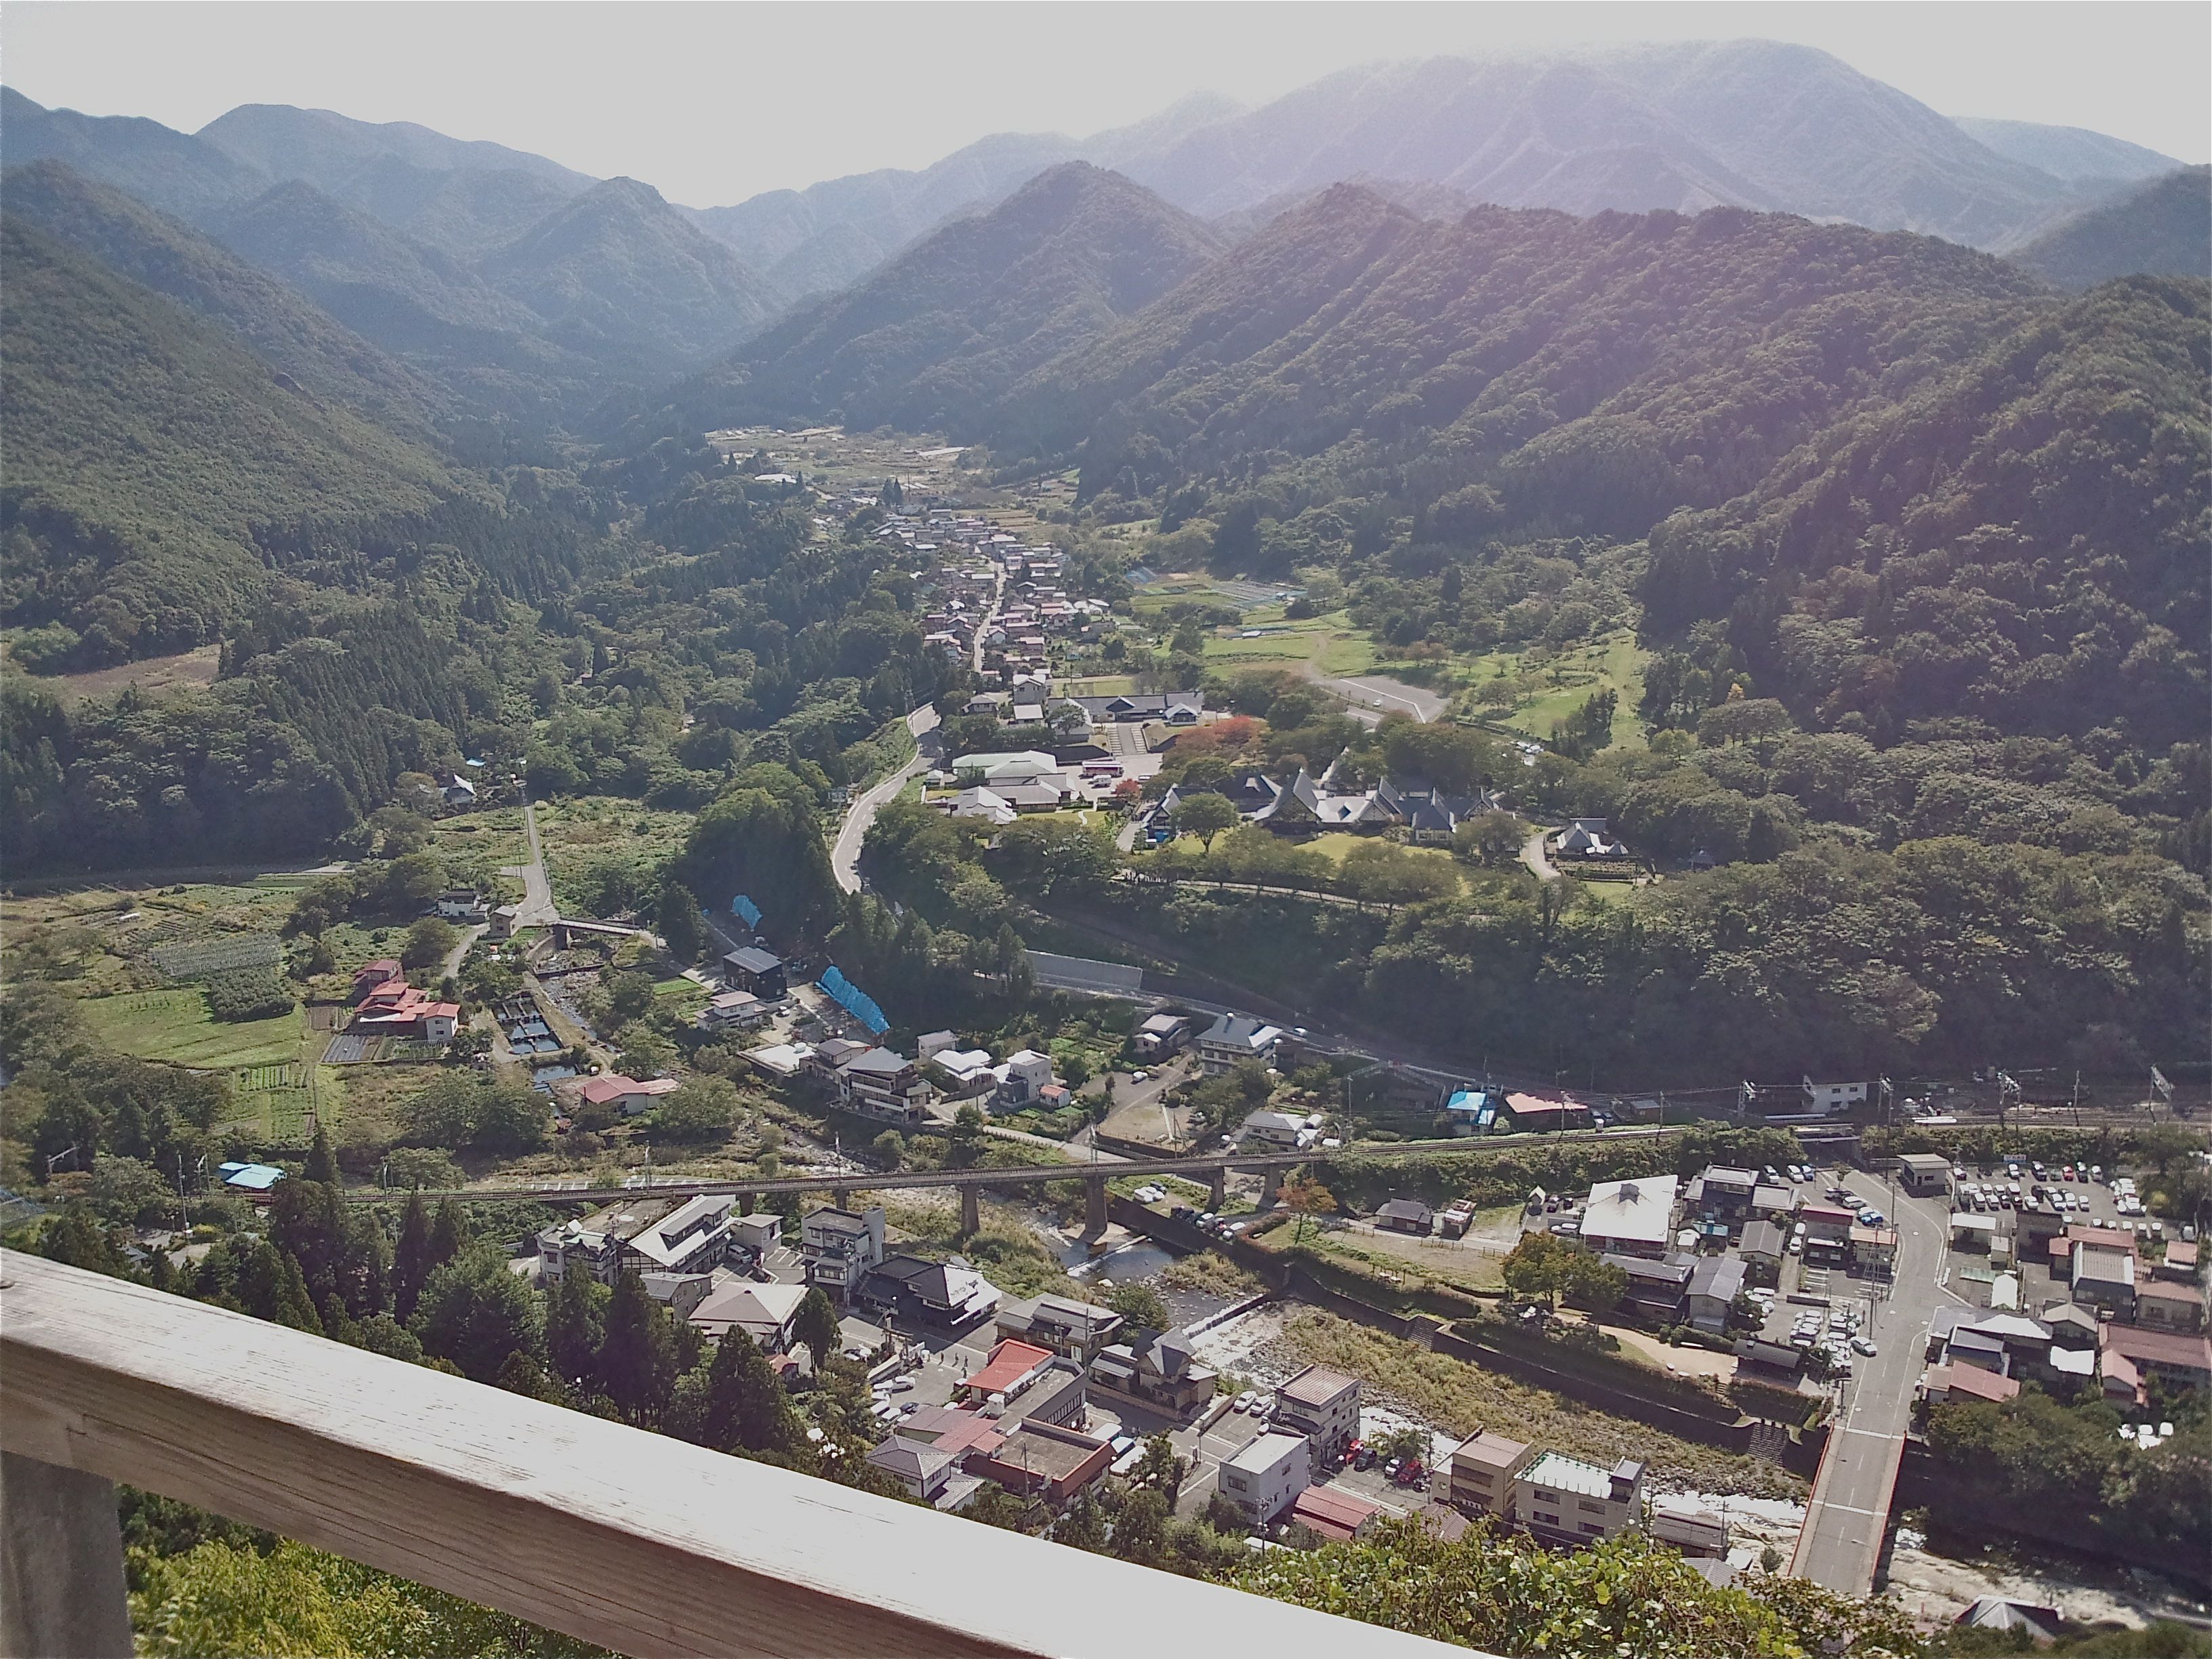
1363,1455
1863,1345
1123,1444
1246,1400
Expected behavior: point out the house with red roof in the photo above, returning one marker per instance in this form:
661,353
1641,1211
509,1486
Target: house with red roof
627,1094
1332,1516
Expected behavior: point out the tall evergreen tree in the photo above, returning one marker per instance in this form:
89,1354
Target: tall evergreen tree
637,1359
816,1327
449,1235
576,1330
410,1259
321,1165
678,922
734,1402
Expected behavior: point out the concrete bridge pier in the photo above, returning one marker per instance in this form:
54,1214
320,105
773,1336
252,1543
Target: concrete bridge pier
1217,1192
1094,1205
971,1210
838,1196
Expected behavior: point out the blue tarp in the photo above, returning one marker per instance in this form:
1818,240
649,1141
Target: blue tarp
745,910
854,1000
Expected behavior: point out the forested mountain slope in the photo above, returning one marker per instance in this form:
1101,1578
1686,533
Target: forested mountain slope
1911,502
618,275
168,256
2075,154
2163,228
428,308
969,310
156,469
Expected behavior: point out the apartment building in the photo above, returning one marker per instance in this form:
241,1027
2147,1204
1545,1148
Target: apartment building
1568,1501
1322,1405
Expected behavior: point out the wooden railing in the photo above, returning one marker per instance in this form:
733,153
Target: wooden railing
632,1540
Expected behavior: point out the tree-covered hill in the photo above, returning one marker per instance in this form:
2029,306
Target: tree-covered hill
2019,546
1898,492
1625,364
2076,154
428,308
938,333
169,170
268,316
156,469
2162,229
617,274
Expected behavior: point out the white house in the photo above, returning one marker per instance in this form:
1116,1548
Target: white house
731,1011
1632,1217
1025,1074
984,804
1235,1038
840,1248
1266,1478
1278,1131
1833,1096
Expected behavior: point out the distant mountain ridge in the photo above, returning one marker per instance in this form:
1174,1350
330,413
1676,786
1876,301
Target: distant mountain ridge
2069,152
1745,123
969,310
2162,229
530,292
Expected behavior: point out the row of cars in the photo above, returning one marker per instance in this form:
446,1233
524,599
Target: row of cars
1207,1222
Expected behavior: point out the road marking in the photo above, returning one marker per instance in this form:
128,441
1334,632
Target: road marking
1827,1508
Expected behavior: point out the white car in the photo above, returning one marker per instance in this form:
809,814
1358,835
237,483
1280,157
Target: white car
1246,1400
1862,1345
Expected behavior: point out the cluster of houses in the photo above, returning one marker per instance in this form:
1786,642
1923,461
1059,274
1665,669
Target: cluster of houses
2123,1324
386,1005
974,564
880,1083
1311,805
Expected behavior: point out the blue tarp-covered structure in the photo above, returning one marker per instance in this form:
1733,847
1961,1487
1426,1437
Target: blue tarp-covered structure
854,1000
745,910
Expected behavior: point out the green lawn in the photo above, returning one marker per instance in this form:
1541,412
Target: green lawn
174,1026
1563,684
1337,843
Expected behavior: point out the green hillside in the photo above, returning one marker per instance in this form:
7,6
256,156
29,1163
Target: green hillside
326,359
2163,228
933,337
156,470
617,273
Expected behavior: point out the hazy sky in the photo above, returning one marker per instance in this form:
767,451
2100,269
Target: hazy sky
713,103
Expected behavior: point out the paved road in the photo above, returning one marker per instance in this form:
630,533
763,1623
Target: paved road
537,908
451,969
1841,1541
845,856
1380,694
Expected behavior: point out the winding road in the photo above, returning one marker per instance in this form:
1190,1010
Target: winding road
845,856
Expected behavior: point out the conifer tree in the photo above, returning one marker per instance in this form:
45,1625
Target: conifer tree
410,1259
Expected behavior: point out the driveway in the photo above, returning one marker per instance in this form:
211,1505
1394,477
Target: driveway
845,856
1533,855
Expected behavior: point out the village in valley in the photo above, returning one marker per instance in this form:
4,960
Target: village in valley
1275,1271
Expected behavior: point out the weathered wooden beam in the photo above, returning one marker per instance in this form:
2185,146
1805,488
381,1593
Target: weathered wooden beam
635,1541
61,1564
